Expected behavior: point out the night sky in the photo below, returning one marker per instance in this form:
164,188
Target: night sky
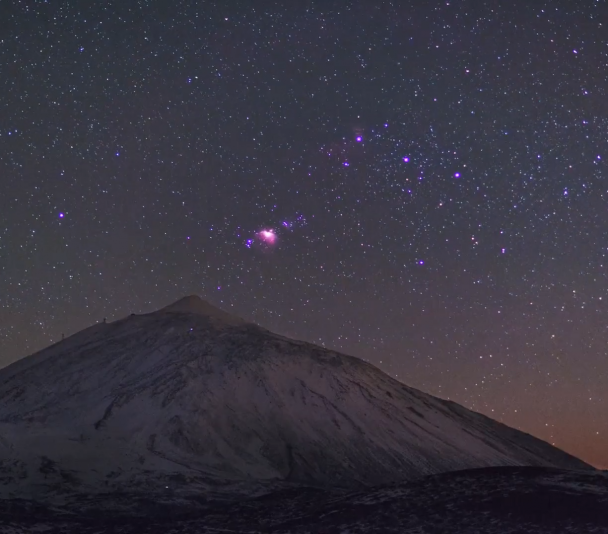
423,185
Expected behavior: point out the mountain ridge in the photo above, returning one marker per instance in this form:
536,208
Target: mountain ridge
195,305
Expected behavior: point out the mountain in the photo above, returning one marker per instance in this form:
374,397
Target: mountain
190,400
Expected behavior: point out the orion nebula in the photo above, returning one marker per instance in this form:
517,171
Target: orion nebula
267,236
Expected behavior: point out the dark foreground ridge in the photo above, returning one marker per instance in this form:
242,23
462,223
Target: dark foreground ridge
491,500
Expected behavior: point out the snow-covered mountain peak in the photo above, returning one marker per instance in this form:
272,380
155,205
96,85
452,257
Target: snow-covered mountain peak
193,304
194,399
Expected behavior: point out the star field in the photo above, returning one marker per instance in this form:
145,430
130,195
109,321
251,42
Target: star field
423,185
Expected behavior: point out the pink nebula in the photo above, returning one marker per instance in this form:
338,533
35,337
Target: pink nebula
268,236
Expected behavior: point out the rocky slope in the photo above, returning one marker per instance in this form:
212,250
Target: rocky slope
191,400
493,500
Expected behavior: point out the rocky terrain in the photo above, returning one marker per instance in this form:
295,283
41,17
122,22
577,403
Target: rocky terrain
504,500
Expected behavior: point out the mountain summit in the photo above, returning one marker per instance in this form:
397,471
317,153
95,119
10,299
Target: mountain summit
194,400
195,305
